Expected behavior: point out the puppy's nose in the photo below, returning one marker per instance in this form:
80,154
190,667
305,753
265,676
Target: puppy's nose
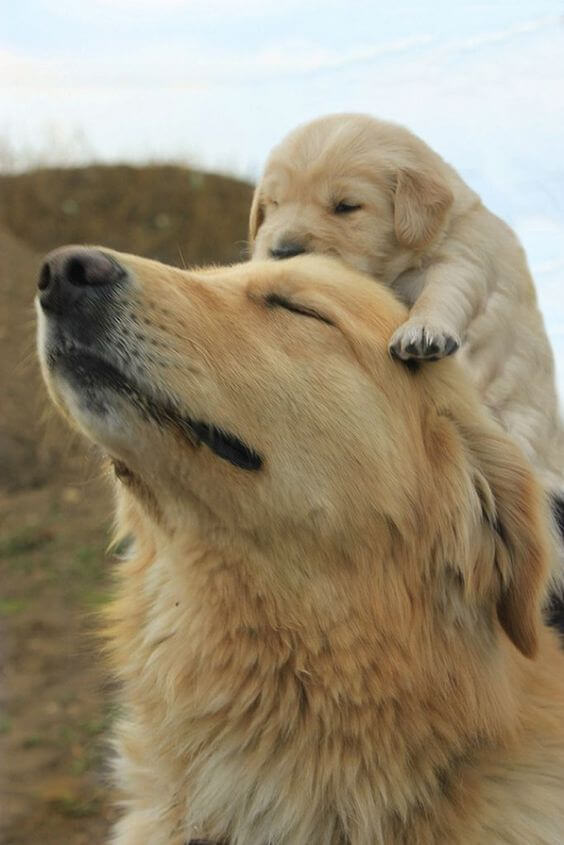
287,249
75,276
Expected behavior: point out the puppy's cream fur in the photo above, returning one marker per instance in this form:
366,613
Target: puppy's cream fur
343,647
411,221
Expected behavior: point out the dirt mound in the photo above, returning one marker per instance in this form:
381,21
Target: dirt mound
169,213
176,215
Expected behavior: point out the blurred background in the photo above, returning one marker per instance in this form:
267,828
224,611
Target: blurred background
142,124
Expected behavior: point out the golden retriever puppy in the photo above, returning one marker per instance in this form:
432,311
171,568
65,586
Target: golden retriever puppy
378,197
328,629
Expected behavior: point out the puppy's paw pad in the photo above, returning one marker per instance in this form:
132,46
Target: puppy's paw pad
421,342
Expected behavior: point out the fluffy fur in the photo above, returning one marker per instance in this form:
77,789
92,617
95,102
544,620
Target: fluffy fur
343,646
381,199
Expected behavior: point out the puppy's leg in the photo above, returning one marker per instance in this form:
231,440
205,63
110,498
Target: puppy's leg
423,340
452,294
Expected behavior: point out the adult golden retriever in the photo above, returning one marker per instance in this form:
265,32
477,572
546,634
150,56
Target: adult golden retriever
328,631
377,196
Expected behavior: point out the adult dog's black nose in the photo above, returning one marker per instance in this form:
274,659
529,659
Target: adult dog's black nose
287,249
77,278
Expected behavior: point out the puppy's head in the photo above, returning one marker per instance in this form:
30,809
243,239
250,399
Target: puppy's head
257,406
367,191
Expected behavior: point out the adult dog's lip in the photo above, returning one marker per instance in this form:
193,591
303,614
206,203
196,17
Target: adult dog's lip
84,369
91,369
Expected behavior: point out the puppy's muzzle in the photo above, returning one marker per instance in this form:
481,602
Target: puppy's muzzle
287,249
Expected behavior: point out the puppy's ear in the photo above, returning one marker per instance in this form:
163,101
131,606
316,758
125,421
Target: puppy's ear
421,201
256,217
515,536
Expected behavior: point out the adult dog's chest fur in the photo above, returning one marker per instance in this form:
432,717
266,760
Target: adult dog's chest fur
277,732
237,702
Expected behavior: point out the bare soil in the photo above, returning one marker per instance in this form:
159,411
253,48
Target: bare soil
55,702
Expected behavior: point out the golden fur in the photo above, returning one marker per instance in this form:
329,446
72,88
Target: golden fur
343,646
419,228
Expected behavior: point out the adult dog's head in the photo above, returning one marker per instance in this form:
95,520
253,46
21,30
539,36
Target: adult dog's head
349,185
257,407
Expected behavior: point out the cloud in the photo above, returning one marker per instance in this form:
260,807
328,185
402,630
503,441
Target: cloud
492,103
159,9
190,63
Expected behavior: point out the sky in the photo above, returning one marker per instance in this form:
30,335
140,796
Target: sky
216,83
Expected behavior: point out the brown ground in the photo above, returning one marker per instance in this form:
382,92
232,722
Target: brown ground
55,509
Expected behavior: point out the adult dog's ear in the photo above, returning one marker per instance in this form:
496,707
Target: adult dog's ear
421,201
516,537
256,217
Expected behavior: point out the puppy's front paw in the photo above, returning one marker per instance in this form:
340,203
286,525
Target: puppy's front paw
422,342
